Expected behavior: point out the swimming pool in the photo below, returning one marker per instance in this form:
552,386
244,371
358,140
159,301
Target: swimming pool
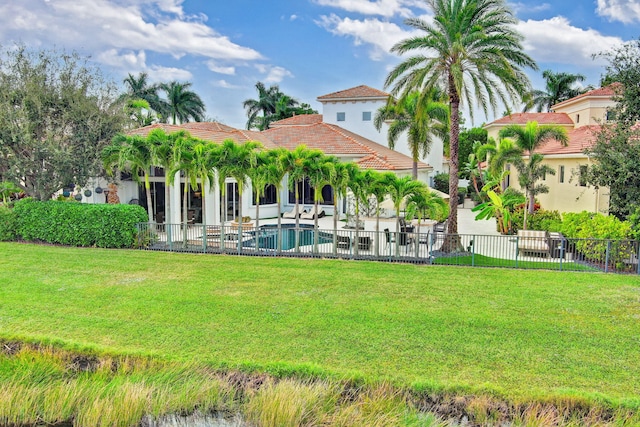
268,236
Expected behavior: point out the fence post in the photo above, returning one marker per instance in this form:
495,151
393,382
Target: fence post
204,238
517,251
606,262
638,257
473,250
561,252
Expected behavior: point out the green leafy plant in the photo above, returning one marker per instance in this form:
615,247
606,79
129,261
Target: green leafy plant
7,224
500,206
78,224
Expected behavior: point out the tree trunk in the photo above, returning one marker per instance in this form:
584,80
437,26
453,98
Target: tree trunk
185,211
297,240
452,240
414,169
167,206
335,222
279,235
147,189
239,217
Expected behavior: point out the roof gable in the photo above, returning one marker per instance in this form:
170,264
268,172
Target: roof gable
358,92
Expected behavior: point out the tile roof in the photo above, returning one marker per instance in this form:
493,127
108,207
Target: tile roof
209,131
541,118
303,119
579,140
606,92
334,140
357,92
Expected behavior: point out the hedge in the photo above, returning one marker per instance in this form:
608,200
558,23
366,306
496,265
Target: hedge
78,224
7,224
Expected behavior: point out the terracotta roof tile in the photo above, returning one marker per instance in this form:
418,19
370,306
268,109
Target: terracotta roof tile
303,119
334,140
579,140
361,91
607,92
541,118
210,131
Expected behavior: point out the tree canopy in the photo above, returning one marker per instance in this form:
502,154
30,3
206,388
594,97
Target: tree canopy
558,87
57,113
272,105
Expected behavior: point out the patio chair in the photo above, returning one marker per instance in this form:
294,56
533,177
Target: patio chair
364,243
440,227
312,213
293,214
389,238
343,242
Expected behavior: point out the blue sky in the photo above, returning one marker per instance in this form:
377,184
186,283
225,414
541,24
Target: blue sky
308,47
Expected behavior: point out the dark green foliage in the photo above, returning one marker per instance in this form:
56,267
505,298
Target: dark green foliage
78,224
539,220
616,152
441,182
7,224
624,67
466,140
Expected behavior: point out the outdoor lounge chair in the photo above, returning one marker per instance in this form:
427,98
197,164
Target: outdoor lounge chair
364,243
440,227
389,238
293,214
312,213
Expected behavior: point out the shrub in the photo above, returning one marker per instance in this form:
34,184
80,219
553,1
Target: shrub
78,224
441,182
540,220
7,224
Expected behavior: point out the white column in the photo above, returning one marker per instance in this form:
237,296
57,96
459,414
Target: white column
210,203
176,200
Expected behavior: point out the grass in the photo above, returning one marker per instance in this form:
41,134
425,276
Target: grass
486,261
523,336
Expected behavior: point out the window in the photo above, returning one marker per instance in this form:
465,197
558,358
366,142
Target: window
306,193
583,176
611,115
341,117
366,116
561,175
269,197
577,118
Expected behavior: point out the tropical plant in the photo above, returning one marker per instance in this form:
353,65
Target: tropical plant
132,153
558,87
422,115
400,189
500,206
259,176
340,183
7,190
527,139
181,104
183,162
204,159
296,164
272,105
473,50
275,173
319,173
138,88
425,204
378,189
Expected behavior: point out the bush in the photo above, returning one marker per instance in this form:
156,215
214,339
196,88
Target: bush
7,224
78,224
441,182
540,220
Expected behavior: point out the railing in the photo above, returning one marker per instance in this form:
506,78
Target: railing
556,253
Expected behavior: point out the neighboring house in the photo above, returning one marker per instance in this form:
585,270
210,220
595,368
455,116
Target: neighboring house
310,130
581,116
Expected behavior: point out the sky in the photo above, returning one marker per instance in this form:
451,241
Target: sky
308,47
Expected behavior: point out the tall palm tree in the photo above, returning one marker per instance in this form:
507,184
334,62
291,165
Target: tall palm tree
204,159
558,87
400,189
132,153
139,88
320,172
422,115
340,183
242,158
474,51
379,189
426,204
259,176
183,162
275,173
296,163
266,104
181,104
527,139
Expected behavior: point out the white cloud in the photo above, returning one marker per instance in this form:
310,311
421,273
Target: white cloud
135,62
293,17
385,8
277,74
380,35
152,25
225,84
556,40
626,11
159,73
213,66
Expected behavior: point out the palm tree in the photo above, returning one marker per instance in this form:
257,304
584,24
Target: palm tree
422,116
181,104
259,176
275,174
139,88
379,189
183,162
320,172
527,139
473,50
426,204
558,87
265,104
339,182
400,189
204,159
242,158
296,163
132,153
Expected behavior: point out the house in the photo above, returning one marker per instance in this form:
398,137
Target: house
581,116
315,131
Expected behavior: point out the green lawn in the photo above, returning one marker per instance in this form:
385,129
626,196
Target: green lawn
521,334
486,261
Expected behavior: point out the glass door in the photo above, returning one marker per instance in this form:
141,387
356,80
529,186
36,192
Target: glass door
232,202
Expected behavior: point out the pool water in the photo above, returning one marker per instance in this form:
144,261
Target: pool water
268,236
